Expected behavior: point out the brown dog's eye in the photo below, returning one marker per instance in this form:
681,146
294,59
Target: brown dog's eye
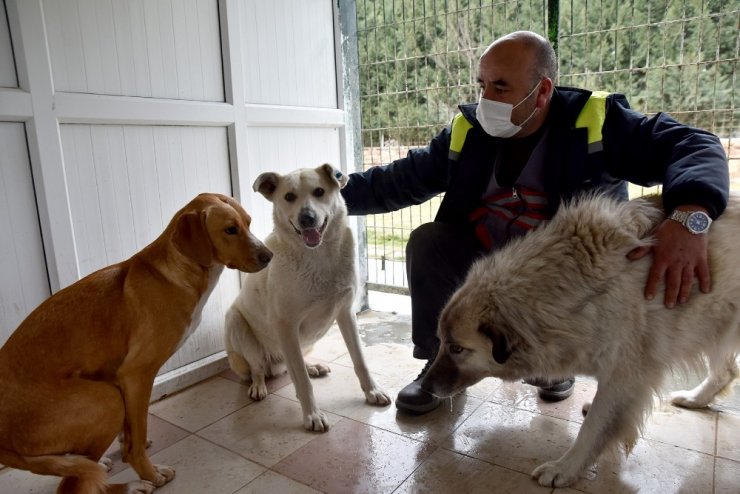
232,230
290,197
456,349
318,192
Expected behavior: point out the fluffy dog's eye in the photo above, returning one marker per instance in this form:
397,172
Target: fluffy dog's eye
290,197
232,230
318,192
456,349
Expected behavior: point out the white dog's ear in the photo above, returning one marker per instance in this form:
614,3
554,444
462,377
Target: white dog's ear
501,351
334,174
266,184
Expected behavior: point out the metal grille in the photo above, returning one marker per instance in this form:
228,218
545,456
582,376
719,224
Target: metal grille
418,61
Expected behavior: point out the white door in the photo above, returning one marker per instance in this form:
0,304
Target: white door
128,109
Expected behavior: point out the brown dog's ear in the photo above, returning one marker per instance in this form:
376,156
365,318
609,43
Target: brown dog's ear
334,175
266,184
501,350
191,238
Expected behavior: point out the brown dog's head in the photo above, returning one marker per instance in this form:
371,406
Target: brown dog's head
214,228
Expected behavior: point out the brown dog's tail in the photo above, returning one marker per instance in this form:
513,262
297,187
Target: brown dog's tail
90,476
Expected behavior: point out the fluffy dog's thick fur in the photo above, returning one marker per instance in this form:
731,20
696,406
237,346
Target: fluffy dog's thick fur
80,368
565,300
311,282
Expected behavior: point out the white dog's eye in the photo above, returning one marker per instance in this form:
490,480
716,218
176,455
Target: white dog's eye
318,192
456,349
290,197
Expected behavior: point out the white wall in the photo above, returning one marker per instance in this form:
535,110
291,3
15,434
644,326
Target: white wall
126,109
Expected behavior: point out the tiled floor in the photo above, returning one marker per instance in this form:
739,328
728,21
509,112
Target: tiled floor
488,440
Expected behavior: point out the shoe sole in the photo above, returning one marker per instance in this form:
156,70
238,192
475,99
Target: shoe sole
556,395
418,409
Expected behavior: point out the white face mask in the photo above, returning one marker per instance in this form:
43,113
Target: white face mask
495,116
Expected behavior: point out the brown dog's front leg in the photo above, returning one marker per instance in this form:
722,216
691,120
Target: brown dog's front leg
136,392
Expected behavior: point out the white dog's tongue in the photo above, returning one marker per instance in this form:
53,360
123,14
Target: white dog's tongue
311,236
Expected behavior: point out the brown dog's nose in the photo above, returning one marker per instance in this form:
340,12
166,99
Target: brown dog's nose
265,256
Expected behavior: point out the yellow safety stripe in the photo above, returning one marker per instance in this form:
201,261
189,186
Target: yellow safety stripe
460,128
592,118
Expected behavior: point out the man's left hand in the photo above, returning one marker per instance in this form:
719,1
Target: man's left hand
678,256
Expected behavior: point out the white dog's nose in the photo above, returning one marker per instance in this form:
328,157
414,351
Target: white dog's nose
307,218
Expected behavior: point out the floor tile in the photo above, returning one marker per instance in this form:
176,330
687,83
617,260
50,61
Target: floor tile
652,467
354,457
726,476
21,482
568,409
444,469
271,482
516,439
728,437
273,383
264,432
200,467
162,435
691,429
202,404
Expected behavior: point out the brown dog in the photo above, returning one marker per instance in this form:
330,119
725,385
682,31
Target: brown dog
81,367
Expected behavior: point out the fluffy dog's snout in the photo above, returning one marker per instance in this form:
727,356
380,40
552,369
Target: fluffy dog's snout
307,218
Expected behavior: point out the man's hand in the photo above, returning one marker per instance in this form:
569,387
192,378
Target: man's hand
678,256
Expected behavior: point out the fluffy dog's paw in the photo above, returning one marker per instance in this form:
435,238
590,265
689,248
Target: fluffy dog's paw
257,391
687,399
317,370
163,475
554,474
377,397
316,422
140,487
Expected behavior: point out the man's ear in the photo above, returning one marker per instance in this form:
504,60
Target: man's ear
191,237
334,174
266,184
501,349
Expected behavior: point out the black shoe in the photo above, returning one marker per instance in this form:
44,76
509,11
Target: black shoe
413,399
556,391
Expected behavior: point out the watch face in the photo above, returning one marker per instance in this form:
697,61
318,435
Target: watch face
697,222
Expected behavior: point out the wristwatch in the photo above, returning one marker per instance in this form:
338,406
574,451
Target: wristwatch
695,222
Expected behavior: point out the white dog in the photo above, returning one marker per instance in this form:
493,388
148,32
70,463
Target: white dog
310,283
565,300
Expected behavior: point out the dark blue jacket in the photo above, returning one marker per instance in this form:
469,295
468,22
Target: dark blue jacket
689,162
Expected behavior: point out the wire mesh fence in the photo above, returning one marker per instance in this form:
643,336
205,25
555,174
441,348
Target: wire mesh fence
418,61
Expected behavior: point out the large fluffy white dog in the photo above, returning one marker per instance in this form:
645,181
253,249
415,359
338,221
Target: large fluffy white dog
565,300
311,282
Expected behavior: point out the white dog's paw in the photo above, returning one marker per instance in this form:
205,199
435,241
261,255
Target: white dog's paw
554,474
164,474
140,487
377,397
687,399
316,421
317,370
257,391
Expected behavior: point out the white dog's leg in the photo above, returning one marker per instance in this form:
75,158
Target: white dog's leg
313,418
722,372
616,414
347,323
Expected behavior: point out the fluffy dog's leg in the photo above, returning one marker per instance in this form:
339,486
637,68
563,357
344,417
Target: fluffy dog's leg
723,370
616,415
347,323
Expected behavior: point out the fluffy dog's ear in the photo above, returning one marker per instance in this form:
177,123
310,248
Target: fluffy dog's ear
191,238
266,184
501,350
335,175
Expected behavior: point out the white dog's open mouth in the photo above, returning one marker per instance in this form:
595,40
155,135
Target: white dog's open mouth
311,236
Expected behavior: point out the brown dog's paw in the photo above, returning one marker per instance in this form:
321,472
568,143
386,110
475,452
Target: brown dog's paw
140,487
105,463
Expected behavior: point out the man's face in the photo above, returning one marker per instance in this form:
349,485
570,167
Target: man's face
504,76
